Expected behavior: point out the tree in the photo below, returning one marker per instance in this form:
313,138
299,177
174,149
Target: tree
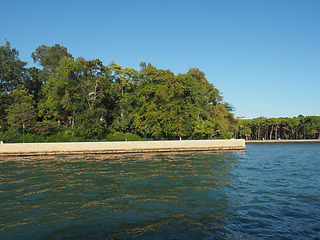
224,120
312,127
292,125
186,105
285,128
13,71
49,59
153,95
94,82
247,128
21,110
61,93
45,128
274,124
3,109
34,83
22,114
125,77
78,86
90,124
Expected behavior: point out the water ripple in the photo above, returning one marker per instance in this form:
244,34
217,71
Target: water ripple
267,192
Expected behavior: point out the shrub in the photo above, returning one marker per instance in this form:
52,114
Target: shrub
225,135
33,138
119,136
65,136
12,135
90,124
46,127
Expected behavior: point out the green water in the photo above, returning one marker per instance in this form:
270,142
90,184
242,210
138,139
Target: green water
192,195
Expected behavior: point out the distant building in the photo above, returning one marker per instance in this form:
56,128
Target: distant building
240,118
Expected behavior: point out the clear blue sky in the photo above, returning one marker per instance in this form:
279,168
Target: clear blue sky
263,55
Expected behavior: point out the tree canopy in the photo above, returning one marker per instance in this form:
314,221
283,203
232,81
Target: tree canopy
284,128
68,99
13,71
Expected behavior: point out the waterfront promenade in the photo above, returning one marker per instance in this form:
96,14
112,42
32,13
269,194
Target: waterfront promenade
119,147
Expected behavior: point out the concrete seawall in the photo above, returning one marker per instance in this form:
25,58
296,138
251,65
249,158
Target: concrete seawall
285,141
118,147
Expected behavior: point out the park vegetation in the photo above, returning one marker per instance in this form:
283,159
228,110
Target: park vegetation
67,99
280,128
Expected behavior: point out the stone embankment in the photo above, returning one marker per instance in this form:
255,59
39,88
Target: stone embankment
119,147
285,141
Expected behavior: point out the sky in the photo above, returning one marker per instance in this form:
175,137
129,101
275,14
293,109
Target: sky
262,55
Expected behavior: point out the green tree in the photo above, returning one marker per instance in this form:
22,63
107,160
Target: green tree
91,124
22,114
49,59
34,83
13,71
152,94
224,120
79,89
61,93
126,78
259,124
4,101
312,127
246,128
20,96
292,125
186,105
45,128
21,110
273,124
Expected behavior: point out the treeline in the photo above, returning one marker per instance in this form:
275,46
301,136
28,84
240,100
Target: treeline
67,99
284,128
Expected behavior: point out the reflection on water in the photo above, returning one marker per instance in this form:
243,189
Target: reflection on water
268,191
128,195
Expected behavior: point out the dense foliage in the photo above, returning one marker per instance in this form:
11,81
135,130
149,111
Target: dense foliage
67,99
284,128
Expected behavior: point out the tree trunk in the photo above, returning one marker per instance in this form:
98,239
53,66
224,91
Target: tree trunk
266,133
271,132
72,123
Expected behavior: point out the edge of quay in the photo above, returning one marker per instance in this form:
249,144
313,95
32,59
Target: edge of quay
21,149
285,141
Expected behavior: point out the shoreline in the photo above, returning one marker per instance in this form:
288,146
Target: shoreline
29,149
284,141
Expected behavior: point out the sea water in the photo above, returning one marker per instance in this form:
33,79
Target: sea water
268,191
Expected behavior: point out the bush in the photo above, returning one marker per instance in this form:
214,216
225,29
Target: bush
119,136
225,135
46,127
11,136
33,138
15,136
65,136
90,124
